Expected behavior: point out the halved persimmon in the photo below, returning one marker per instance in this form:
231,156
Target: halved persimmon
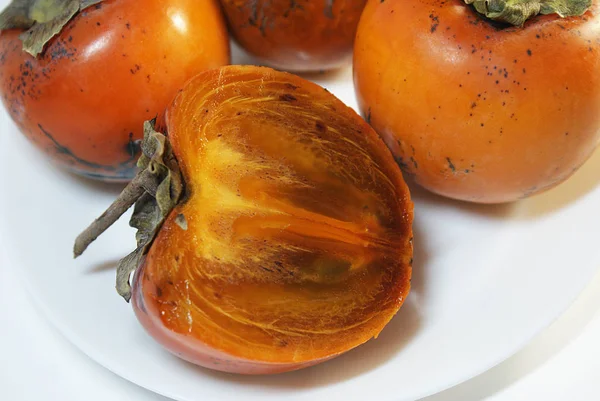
291,242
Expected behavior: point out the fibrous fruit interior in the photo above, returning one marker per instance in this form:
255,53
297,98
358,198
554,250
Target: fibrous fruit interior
294,241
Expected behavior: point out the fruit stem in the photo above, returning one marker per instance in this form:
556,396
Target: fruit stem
145,181
517,12
155,191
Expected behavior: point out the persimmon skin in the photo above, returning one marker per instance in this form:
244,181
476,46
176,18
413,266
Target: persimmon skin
302,35
474,112
297,244
197,352
83,101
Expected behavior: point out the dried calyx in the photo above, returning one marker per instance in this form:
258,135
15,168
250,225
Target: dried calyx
42,19
517,12
155,191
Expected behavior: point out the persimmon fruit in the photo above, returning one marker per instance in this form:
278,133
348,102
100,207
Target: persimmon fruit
277,231
82,95
487,102
296,35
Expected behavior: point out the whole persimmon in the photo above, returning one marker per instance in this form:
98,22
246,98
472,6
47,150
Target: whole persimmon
297,35
81,95
486,102
275,228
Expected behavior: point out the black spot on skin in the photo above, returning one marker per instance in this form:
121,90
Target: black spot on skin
59,50
529,53
135,69
128,25
133,147
435,22
451,165
159,291
403,165
291,87
368,118
414,162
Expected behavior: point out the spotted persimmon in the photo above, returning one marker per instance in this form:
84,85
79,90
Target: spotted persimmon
474,107
82,95
297,35
290,241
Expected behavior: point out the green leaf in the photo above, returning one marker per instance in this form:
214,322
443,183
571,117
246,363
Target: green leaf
16,15
86,3
40,33
42,19
517,12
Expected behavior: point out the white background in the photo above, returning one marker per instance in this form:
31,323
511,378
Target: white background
37,363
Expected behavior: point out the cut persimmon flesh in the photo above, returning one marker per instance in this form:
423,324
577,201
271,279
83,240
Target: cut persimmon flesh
296,242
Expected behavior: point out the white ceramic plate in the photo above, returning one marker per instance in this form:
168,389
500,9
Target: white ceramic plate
486,280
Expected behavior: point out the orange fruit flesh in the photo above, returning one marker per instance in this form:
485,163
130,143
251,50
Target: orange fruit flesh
298,242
